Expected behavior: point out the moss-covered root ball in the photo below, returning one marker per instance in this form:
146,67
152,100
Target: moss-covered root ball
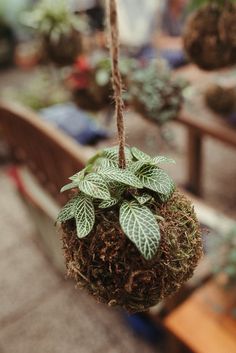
221,100
111,268
203,39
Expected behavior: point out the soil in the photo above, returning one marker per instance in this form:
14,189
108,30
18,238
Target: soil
65,51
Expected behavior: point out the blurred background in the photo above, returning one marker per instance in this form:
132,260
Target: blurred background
57,109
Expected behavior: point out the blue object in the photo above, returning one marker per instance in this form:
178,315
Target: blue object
144,327
175,58
75,123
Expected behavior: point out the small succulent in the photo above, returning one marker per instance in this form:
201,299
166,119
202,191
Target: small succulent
154,93
102,184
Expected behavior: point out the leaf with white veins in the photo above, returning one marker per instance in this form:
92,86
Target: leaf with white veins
84,215
141,227
94,185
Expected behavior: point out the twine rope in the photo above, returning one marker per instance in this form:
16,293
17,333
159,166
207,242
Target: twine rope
116,78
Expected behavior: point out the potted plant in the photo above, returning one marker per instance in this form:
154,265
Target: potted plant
210,34
59,29
129,237
154,94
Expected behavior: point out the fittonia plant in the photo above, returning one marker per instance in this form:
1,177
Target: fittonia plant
102,184
128,236
154,93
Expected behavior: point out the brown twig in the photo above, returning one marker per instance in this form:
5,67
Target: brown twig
116,78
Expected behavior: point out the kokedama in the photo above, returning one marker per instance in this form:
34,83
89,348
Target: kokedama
221,100
129,237
210,34
59,29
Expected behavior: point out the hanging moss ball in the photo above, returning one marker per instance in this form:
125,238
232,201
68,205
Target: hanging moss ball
227,28
129,237
110,267
221,100
204,38
64,50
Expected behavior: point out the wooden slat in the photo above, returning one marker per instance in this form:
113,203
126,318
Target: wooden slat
49,153
204,323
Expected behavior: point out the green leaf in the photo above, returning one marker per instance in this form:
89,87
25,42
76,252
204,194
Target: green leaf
155,179
134,167
141,227
69,186
142,199
102,77
165,198
162,159
78,176
84,215
123,176
140,155
108,203
113,153
94,185
67,212
105,162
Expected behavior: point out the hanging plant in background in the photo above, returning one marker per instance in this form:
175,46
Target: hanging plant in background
59,29
90,80
210,34
221,100
153,93
129,237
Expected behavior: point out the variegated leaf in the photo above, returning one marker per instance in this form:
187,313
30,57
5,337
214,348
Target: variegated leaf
140,155
67,212
123,176
141,227
134,167
113,153
162,159
155,179
94,185
142,199
165,198
84,215
69,186
108,203
105,162
78,176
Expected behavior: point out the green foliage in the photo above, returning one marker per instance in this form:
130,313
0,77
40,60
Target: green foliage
222,253
53,19
141,227
102,184
196,4
153,92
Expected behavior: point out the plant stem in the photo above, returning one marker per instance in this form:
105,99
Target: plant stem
116,78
